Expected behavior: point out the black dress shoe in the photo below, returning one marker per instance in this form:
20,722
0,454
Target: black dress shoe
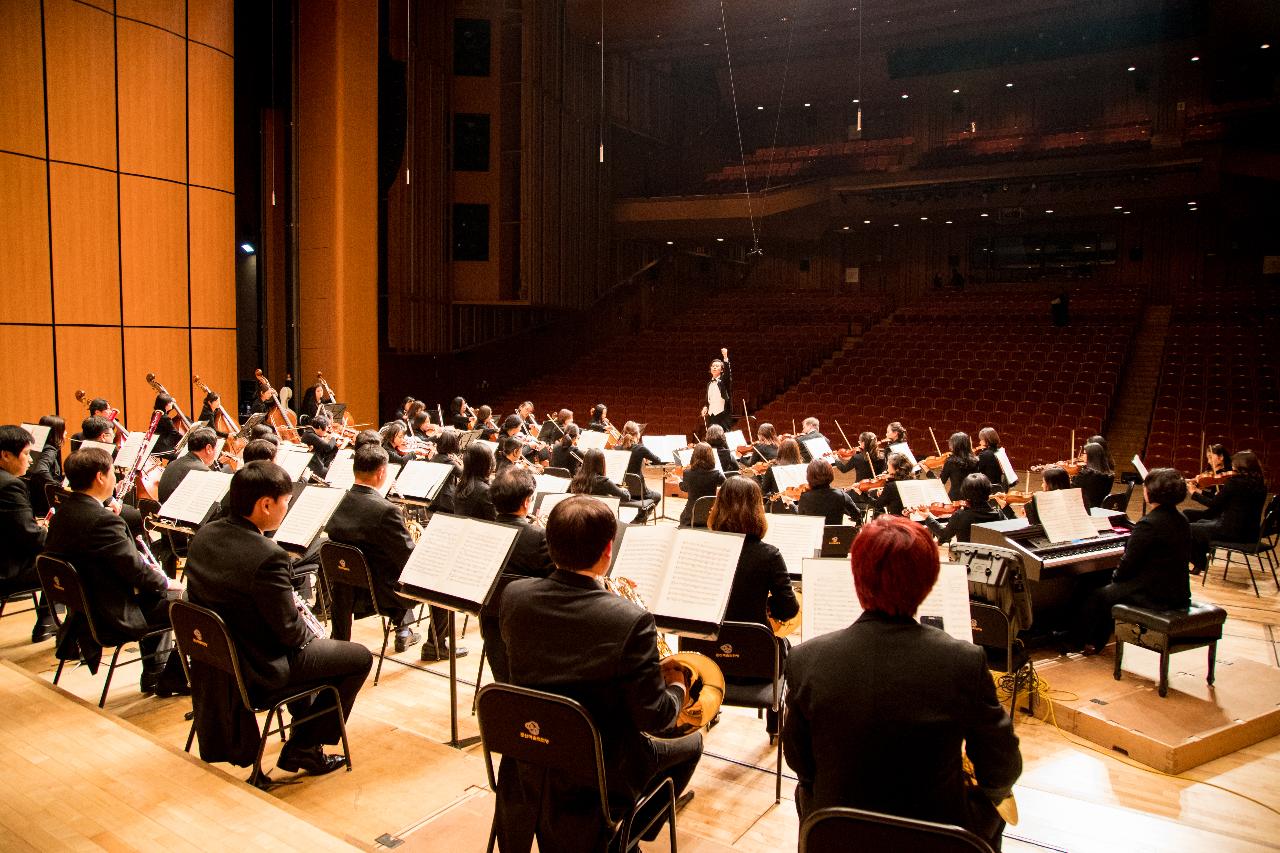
310,759
164,691
429,652
43,631
405,641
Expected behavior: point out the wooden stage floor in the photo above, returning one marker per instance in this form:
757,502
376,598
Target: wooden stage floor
407,784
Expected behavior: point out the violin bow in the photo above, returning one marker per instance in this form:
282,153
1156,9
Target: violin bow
1201,462
936,448
746,415
842,435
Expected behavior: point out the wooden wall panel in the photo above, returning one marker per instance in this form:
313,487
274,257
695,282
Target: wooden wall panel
213,23
153,248
210,136
88,360
169,14
86,244
213,258
213,357
21,78
81,70
26,383
24,249
167,354
152,69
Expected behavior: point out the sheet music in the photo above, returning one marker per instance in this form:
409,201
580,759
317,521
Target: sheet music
129,450
589,439
460,557
796,536
642,557
735,439
830,602
294,462
198,491
685,456
341,473
99,445
665,446
1063,515
1006,468
308,514
550,484
40,434
817,445
1139,467
491,446
949,599
615,464
922,492
422,480
700,575
787,476
546,502
627,514
905,449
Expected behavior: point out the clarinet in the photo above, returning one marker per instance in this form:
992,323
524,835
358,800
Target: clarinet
127,482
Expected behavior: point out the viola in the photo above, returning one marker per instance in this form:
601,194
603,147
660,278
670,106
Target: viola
934,463
845,453
1006,498
1210,479
1072,468
936,509
877,482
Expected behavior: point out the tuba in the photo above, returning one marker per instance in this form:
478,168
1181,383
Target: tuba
702,674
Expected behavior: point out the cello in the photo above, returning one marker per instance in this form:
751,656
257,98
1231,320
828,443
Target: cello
180,421
118,432
222,421
283,420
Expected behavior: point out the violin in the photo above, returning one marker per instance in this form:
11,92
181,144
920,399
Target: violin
284,420
1012,498
1210,479
180,421
758,468
1072,468
937,510
845,453
934,463
876,482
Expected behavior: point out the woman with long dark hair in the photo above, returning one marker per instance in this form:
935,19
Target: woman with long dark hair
471,498
960,464
988,461
1235,513
46,469
701,479
1095,479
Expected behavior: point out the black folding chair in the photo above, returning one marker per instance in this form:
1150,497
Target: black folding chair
557,472
748,651
202,636
634,484
1118,501
834,829
345,565
61,584
1263,547
19,595
701,510
558,734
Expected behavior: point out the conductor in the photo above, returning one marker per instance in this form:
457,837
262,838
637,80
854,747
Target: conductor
720,392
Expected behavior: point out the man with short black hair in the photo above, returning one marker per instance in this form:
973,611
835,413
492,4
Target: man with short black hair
202,446
93,428
21,538
236,571
128,594
555,629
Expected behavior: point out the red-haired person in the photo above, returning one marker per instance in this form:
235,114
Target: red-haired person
877,713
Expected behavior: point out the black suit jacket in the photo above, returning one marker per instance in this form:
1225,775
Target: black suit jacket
832,504
475,503
955,469
876,715
46,469
988,464
1155,560
888,500
562,457
1237,508
961,522
639,455
862,469
243,576
698,483
323,451
761,585
21,539
96,542
375,525
725,383
565,634
1094,486
176,470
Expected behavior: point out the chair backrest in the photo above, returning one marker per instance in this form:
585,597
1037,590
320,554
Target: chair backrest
557,472
1119,501
345,565
542,729
61,584
991,625
741,649
634,484
702,509
54,494
202,637
831,830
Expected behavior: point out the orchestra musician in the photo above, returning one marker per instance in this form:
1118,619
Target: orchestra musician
1234,514
1106,450
591,479
393,442
1153,571
528,421
988,461
821,499
485,423
244,577
46,469
510,452
960,464
719,405
323,447
766,444
701,479
761,586
788,454
599,418
21,538
265,402
516,429
128,595
639,455
1216,461
866,462
201,452
894,433
312,399
1094,479
208,408
877,714
1054,477
810,428
889,501
448,451
553,629
975,491
460,415
93,428
715,438
167,436
472,496
563,454
413,416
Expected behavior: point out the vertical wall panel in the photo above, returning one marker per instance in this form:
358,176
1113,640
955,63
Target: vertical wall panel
211,22
24,248
153,250
213,282
153,131
209,91
21,78
213,357
164,352
89,361
169,14
26,383
82,97
86,245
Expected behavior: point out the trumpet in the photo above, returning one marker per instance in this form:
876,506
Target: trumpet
701,673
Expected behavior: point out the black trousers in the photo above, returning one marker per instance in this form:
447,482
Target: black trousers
323,661
342,604
724,419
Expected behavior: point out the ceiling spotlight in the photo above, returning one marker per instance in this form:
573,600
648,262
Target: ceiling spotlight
1265,46
895,225
719,239
1195,59
846,228
759,108
1126,212
706,44
984,215
924,219
1049,211
1191,202
671,242
866,222
1118,207
247,248
1193,208
948,221
955,91
1131,68
857,100
808,105
905,96
1008,85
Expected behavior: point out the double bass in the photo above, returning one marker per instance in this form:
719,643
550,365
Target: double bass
222,421
283,420
118,432
180,421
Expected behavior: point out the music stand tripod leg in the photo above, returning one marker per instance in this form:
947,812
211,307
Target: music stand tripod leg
453,693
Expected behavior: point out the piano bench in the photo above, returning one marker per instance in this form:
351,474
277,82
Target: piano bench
1168,632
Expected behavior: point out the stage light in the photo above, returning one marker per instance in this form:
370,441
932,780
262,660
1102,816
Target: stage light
808,105
719,239
924,219
955,91
948,221
247,248
759,108
1008,85
1195,59
671,242
1126,212
1131,68
846,228
984,215
905,96
895,225
1118,207
866,222
857,100
1191,202
1265,46
1049,211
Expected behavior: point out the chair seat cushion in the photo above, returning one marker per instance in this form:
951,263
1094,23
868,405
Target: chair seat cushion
1189,621
1242,547
749,695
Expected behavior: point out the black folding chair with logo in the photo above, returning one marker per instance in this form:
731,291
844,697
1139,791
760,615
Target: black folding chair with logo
557,734
832,830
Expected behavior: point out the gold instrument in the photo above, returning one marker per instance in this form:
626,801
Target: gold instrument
614,435
414,528
702,675
1006,808
787,627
